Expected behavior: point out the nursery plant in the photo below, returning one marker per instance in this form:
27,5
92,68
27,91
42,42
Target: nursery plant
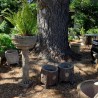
24,33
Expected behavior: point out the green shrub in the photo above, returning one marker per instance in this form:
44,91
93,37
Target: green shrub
92,31
11,4
86,14
5,43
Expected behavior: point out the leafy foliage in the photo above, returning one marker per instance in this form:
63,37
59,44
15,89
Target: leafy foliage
24,21
86,14
93,30
11,4
5,43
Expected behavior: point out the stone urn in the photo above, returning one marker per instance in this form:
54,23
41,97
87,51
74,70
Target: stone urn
25,43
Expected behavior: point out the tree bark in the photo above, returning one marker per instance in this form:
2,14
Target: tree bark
53,25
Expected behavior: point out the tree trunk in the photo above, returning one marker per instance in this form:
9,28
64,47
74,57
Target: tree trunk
53,26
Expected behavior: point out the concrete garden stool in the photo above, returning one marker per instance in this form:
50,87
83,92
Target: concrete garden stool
12,57
88,89
66,72
49,75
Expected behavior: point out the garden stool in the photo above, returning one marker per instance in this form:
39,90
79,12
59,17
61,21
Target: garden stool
49,75
12,57
66,72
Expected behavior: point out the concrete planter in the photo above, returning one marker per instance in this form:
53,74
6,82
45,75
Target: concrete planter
75,47
88,89
12,56
25,43
66,72
49,75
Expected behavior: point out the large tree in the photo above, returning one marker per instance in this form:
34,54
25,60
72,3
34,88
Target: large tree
53,26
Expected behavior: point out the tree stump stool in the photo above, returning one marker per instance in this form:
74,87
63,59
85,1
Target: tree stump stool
49,75
66,72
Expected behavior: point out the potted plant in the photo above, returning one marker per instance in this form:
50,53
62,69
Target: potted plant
24,35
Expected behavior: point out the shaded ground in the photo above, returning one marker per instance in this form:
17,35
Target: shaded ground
11,75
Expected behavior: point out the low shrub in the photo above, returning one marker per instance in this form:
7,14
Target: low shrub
5,43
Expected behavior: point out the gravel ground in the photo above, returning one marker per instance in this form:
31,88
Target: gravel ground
11,75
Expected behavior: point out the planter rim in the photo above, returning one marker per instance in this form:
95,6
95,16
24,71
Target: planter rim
24,42
75,44
65,67
11,50
79,87
56,69
19,36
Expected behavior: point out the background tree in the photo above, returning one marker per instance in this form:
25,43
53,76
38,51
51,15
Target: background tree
86,13
53,25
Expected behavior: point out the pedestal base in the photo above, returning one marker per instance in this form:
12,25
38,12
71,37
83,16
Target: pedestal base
26,84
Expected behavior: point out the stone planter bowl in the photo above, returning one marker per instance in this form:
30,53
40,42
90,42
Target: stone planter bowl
88,89
24,42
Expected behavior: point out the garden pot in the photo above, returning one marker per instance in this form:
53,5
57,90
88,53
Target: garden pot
88,89
66,72
25,43
75,47
49,75
12,57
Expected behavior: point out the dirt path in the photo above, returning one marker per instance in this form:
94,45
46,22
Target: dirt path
11,75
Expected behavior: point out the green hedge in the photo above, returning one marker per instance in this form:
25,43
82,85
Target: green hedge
5,43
